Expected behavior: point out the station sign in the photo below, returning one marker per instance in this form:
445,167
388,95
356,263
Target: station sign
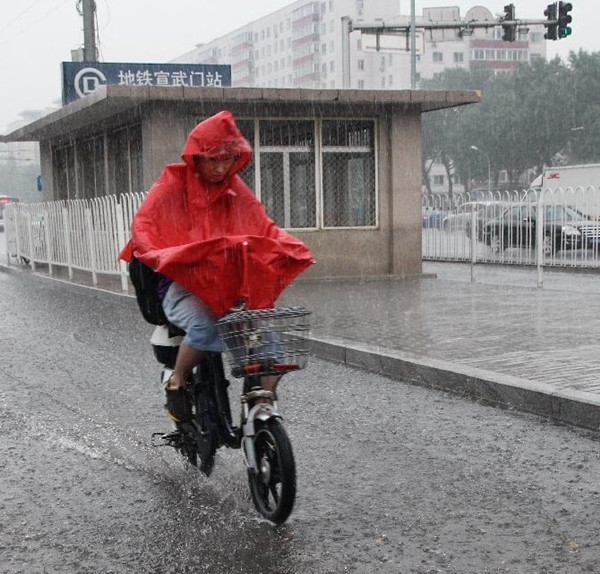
82,78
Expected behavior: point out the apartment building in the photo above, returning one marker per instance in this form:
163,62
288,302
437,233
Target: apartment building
301,46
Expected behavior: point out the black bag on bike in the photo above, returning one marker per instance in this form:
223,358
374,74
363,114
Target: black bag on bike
145,282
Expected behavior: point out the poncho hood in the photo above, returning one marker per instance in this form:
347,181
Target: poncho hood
218,136
192,231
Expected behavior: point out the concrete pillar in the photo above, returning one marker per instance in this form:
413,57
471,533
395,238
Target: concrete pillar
164,133
405,201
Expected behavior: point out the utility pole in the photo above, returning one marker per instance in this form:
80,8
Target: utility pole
88,11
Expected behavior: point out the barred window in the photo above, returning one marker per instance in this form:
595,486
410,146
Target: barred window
287,172
348,173
301,190
125,151
90,168
63,170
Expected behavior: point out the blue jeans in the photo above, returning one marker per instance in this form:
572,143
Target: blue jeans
186,311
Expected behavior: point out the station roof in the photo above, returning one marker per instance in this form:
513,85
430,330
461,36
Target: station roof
114,101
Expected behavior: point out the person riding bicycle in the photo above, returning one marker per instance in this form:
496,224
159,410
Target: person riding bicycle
189,229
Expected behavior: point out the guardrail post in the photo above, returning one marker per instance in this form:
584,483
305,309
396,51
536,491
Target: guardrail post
67,232
17,216
30,236
473,242
47,235
539,240
90,235
121,242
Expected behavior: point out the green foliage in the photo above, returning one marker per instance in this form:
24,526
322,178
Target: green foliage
524,121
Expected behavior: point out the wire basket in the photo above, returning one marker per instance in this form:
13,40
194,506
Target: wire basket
266,341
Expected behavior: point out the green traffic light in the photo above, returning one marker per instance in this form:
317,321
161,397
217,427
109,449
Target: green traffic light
565,32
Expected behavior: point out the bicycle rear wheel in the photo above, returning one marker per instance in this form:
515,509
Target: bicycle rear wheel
273,488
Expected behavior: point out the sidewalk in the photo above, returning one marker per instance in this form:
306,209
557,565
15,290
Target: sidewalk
499,339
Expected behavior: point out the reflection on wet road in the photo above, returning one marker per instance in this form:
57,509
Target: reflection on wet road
391,478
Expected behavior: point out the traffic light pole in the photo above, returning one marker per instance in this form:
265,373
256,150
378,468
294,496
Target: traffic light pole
464,27
380,27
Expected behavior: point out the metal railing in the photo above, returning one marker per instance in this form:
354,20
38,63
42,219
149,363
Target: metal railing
559,228
79,234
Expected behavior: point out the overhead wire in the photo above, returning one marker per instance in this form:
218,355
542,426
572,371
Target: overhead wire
19,15
32,23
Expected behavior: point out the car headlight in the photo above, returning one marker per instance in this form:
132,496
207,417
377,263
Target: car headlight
570,230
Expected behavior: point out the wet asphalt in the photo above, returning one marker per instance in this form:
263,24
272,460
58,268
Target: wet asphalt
393,478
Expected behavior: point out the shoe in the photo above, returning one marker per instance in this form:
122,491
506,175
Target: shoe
178,404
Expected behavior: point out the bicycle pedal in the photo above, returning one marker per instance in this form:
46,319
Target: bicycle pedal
172,438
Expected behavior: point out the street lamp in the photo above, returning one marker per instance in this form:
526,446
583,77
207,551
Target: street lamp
489,166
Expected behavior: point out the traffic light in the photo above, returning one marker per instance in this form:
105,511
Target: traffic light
550,13
564,19
509,30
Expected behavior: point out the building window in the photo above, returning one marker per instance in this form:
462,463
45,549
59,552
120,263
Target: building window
361,64
536,37
348,182
125,149
63,170
294,187
438,180
287,172
438,57
459,57
90,168
361,84
79,169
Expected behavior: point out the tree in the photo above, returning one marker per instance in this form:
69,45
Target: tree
585,128
524,121
444,130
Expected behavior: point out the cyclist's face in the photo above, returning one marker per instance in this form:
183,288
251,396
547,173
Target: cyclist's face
214,169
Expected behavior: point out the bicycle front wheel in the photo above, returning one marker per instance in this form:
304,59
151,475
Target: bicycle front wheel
273,487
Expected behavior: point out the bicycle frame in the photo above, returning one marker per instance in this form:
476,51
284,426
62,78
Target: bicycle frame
261,343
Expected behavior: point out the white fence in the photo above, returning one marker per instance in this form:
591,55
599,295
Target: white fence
82,234
545,228
560,228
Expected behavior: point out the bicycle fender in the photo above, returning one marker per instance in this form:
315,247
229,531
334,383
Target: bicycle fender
259,412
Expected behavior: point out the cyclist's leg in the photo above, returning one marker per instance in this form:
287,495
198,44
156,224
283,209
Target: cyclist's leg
189,313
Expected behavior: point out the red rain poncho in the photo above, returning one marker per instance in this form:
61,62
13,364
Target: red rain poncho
193,231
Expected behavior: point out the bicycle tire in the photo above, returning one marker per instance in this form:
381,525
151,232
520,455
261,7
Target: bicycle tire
206,434
187,444
273,488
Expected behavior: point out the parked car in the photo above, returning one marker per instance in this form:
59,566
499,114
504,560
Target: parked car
564,228
485,211
484,214
4,201
432,217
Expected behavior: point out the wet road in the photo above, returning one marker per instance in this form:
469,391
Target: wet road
392,478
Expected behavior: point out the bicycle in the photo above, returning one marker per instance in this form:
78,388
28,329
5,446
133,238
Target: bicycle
263,342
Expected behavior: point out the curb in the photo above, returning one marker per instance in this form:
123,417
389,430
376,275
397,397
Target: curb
575,408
